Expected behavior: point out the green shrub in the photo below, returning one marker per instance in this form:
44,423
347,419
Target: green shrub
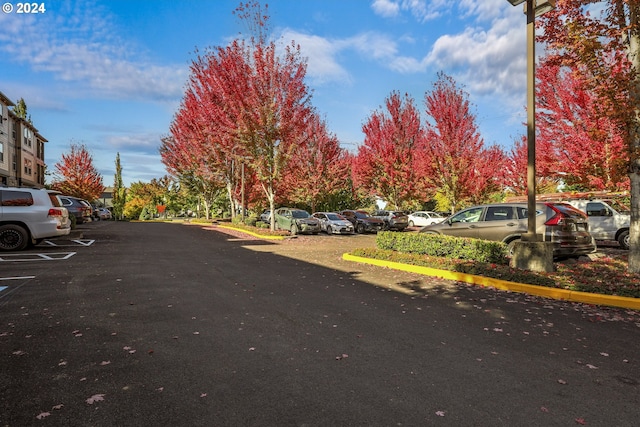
145,215
437,245
251,220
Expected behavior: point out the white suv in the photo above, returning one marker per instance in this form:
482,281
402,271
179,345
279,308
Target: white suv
29,215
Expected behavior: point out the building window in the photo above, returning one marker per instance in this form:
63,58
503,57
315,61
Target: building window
28,164
1,152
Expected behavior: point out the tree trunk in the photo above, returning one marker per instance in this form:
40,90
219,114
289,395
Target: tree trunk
232,203
634,149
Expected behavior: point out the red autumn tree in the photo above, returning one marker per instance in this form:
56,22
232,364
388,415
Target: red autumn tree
461,168
201,147
317,168
602,49
246,103
75,175
515,169
576,143
389,162
274,107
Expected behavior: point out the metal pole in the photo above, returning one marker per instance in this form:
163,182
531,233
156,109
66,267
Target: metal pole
531,121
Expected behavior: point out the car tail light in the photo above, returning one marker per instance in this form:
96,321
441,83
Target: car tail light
54,212
558,219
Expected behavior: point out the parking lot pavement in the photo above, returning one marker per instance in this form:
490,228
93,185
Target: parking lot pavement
166,324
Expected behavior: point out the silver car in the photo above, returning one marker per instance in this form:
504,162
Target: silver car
28,215
334,223
560,223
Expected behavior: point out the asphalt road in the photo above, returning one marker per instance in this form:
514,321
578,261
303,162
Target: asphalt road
152,324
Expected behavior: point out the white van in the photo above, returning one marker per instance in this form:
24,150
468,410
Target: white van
608,219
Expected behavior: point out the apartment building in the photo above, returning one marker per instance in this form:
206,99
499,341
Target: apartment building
21,149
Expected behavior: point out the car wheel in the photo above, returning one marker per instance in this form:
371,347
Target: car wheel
13,237
623,239
360,228
329,229
411,224
294,229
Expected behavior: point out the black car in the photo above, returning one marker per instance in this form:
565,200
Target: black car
363,222
78,208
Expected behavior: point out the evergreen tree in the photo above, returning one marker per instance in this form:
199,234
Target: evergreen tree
20,110
119,191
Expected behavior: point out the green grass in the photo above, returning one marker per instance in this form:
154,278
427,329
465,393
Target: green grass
607,276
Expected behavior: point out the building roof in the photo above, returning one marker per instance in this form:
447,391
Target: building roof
6,100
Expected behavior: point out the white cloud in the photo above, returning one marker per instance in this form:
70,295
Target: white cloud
323,65
421,10
386,8
324,55
140,142
485,10
83,48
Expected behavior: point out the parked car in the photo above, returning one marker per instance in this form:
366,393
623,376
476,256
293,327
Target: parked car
79,208
559,223
102,214
265,216
608,220
362,221
29,215
393,220
424,218
334,223
296,221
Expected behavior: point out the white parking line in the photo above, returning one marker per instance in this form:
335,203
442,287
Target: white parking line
57,256
17,278
80,242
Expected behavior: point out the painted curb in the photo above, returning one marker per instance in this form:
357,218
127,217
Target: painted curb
261,236
560,294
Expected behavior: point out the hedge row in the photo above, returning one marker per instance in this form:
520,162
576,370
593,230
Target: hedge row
438,245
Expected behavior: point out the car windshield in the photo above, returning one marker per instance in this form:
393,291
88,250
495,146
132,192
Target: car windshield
334,216
469,215
361,215
300,214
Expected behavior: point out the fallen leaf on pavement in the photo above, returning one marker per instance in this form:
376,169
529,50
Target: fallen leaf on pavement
95,398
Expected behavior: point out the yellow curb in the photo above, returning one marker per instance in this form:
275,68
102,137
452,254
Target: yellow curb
543,291
262,236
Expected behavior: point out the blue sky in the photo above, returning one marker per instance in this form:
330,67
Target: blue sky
110,73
